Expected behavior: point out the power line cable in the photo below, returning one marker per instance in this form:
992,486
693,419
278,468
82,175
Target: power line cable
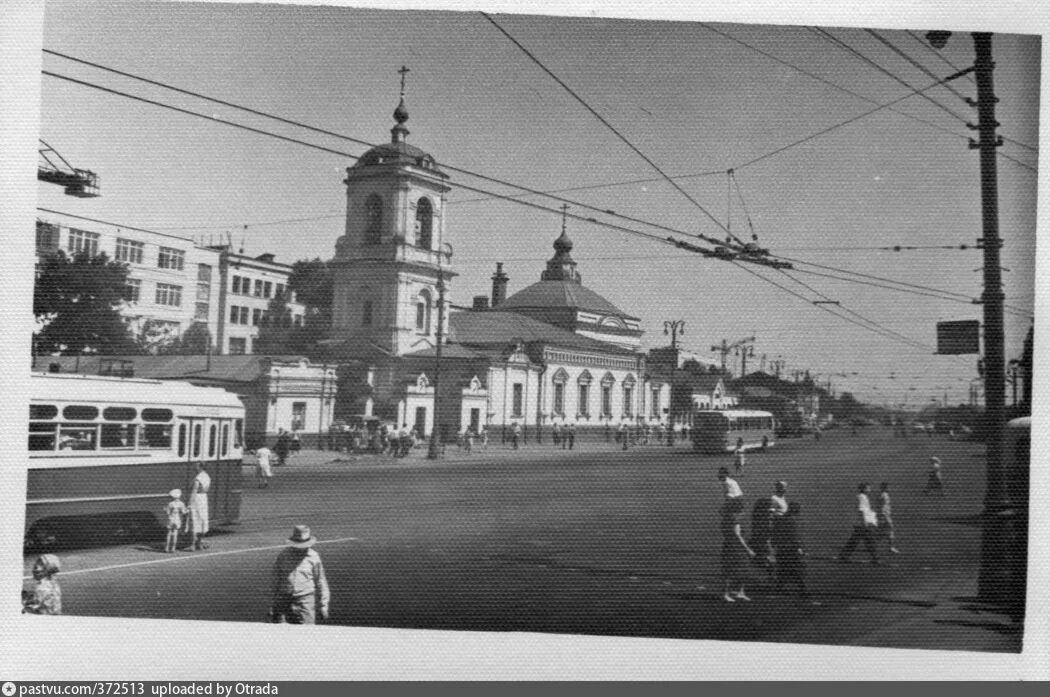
608,125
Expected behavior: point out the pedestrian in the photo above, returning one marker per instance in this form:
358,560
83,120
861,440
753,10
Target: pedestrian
300,588
199,507
778,504
884,516
515,434
263,470
732,493
408,442
864,527
735,551
556,435
297,441
281,447
788,549
739,459
761,533
483,436
45,597
572,436
934,483
176,511
468,438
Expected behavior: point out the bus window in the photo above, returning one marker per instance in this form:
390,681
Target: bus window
212,433
42,436
77,437
182,439
224,442
156,436
117,436
42,412
238,433
154,414
197,440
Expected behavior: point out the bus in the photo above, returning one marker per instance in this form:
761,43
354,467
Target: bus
723,430
107,450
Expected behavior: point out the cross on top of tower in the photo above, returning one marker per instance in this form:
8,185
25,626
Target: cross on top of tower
400,132
404,71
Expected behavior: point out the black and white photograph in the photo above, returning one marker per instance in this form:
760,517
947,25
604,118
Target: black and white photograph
622,342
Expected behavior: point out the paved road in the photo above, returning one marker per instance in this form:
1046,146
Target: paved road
598,541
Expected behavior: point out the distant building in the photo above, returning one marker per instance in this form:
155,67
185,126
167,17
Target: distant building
173,283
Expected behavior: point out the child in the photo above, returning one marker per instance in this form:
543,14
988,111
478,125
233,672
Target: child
176,511
46,596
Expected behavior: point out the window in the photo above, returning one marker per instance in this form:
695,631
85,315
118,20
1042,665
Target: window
238,433
257,316
76,412
156,436
518,403
238,346
267,289
655,408
203,291
42,436
46,236
373,219
83,242
197,432
129,251
559,398
584,396
366,313
201,313
169,258
424,223
117,436
204,273
182,439
169,295
132,290
224,440
240,285
278,290
238,314
628,400
258,288
606,400
298,416
213,434
423,312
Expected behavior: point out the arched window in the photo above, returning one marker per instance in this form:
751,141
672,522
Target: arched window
628,396
607,386
373,219
558,380
583,391
424,223
423,312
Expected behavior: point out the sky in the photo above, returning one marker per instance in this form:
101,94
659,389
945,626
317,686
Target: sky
696,99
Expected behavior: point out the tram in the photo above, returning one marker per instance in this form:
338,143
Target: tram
106,448
720,431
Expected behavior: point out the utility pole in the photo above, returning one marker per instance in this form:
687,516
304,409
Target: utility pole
726,348
994,581
434,449
674,329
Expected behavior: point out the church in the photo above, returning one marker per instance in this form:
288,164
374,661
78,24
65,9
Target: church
553,353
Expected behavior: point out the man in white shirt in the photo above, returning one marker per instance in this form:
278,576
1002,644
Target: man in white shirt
778,504
734,495
263,470
864,527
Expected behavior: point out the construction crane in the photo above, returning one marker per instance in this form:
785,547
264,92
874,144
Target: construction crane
52,167
726,348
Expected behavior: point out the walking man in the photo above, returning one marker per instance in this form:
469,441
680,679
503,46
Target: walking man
572,436
738,456
263,471
864,527
885,517
300,589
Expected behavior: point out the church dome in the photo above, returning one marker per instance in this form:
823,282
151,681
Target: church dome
558,295
399,153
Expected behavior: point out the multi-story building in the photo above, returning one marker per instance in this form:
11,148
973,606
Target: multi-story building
248,285
174,283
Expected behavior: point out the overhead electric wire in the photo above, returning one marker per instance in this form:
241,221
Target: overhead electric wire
939,54
608,125
951,89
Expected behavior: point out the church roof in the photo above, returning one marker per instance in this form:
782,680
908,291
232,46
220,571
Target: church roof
557,294
496,327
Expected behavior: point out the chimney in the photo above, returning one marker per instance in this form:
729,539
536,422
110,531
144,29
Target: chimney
499,285
481,302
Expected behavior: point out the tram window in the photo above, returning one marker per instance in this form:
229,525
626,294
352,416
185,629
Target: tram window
156,436
80,412
42,412
119,414
117,436
154,414
238,433
182,439
77,437
197,440
42,436
224,442
212,434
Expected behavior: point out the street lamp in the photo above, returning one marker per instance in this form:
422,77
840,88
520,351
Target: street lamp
674,329
434,450
994,579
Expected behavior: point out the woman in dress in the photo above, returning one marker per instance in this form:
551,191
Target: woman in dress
199,506
735,554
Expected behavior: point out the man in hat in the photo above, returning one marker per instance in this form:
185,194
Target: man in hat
300,589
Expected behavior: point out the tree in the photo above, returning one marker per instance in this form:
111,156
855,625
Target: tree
77,301
312,282
195,341
276,334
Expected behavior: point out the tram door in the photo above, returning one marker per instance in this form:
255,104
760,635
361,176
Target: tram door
200,439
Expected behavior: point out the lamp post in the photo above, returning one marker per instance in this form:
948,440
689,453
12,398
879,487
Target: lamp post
434,450
993,581
674,329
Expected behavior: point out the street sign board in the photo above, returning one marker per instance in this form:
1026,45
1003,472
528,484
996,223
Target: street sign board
958,337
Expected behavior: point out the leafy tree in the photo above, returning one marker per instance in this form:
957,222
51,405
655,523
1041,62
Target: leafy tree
276,334
312,282
195,341
77,301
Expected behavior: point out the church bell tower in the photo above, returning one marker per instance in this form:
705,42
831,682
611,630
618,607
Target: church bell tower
387,264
